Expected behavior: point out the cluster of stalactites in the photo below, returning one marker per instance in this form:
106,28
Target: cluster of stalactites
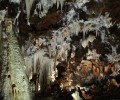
59,3
93,24
45,4
85,27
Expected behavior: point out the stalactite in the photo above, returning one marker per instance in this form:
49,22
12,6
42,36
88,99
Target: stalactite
77,30
58,4
28,8
54,1
103,35
31,3
61,3
27,2
36,57
40,65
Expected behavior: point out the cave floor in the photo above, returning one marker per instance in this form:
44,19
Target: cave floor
114,95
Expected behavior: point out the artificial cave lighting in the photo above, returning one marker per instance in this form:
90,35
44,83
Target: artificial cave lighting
59,50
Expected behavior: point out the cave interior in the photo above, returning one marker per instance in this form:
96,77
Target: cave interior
59,50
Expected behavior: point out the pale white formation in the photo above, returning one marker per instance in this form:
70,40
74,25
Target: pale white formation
15,1
114,57
29,4
75,26
16,86
43,6
59,45
69,16
76,96
16,18
42,65
118,25
16,23
92,54
85,41
2,15
80,3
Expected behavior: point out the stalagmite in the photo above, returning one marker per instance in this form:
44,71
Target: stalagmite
15,85
85,43
76,96
91,38
89,54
